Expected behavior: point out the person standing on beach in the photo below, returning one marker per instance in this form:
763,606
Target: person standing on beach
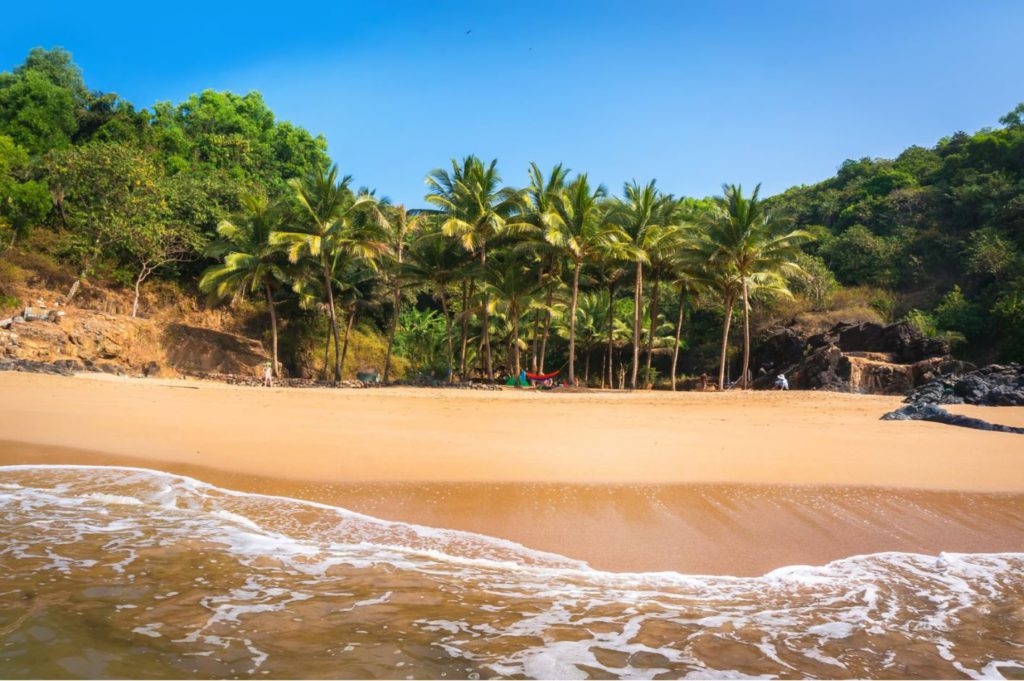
268,375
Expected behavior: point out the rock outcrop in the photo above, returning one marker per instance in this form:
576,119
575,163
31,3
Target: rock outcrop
865,358
88,340
994,385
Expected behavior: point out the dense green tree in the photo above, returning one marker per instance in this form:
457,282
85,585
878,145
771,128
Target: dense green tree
24,200
108,192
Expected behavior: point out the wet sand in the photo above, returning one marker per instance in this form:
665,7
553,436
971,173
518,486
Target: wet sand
735,483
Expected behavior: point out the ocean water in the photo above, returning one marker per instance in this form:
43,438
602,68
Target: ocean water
121,572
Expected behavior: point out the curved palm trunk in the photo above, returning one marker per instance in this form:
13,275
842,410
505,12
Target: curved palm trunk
679,335
746,335
348,330
725,341
448,334
638,294
650,335
334,320
273,323
572,322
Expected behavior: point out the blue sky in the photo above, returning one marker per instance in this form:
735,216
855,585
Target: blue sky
691,94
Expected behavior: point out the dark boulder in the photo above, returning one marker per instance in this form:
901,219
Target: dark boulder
936,414
993,385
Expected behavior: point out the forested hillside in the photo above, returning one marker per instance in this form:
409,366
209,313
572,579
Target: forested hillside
942,227
216,200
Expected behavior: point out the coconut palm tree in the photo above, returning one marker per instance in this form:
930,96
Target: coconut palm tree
436,263
250,261
331,223
476,210
666,241
754,241
575,223
510,283
637,213
541,194
400,227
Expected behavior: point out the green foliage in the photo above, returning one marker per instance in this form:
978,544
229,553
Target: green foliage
24,200
814,280
990,253
421,339
1009,313
108,191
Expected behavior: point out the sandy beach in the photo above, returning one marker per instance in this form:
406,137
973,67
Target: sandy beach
733,483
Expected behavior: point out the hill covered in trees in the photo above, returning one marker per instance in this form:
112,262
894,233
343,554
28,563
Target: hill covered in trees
215,199
942,228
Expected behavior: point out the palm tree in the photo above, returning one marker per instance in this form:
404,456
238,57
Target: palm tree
398,231
754,241
511,280
477,209
576,224
637,214
589,327
330,209
436,263
251,262
665,242
542,194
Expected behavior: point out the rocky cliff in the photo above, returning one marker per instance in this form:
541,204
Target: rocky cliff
865,357
89,340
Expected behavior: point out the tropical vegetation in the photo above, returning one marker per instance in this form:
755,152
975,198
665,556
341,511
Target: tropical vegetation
640,287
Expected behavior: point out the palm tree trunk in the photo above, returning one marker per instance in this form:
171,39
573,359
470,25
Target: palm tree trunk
729,302
572,321
273,323
650,335
515,341
586,369
746,334
465,327
348,330
547,327
391,332
448,334
638,294
679,335
611,339
327,351
486,316
536,326
604,369
334,320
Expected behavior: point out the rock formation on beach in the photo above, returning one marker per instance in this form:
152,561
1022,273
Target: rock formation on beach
995,385
865,357
72,339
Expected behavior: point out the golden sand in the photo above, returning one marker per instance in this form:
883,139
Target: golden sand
737,482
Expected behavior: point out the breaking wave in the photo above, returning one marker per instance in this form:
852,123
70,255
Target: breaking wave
111,571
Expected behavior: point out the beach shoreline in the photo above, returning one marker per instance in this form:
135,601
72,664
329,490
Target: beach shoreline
733,483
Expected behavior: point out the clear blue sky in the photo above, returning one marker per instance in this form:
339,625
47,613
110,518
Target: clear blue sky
691,94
